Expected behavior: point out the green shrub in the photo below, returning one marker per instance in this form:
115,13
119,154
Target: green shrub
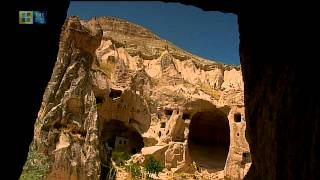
120,157
134,170
36,166
153,166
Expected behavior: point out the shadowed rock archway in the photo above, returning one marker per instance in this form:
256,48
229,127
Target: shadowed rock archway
209,139
119,137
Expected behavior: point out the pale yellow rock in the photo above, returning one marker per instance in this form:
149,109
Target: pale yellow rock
158,152
174,155
64,142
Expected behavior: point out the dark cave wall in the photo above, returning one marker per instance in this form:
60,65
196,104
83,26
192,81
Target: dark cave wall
281,106
283,126
34,50
278,62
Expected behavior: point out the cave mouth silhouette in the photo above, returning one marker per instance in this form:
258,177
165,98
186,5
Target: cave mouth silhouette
209,139
121,138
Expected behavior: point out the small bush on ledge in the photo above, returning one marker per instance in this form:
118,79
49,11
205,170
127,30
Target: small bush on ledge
153,166
134,170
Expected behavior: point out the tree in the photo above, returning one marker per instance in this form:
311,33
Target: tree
153,166
134,170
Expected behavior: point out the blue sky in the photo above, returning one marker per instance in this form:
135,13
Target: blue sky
208,34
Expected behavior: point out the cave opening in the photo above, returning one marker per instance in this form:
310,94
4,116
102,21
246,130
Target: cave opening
185,116
99,100
114,93
246,158
163,125
209,139
121,138
168,112
237,117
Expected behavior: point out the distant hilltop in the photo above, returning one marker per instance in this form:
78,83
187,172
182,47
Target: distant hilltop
138,40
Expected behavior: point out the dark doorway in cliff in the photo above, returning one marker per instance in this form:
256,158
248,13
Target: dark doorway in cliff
121,138
185,116
168,112
209,139
99,100
114,93
237,117
246,158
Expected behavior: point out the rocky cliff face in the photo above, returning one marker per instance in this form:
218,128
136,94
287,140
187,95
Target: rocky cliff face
66,129
117,87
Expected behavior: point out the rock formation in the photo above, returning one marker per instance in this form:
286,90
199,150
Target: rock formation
118,87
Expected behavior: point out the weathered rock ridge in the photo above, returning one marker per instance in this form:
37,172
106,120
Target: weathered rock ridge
118,86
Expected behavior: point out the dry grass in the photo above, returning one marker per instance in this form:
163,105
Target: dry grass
206,88
178,98
107,68
182,176
188,85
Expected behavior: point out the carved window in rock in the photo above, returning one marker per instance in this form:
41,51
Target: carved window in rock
185,116
163,125
168,112
99,100
114,93
237,117
246,157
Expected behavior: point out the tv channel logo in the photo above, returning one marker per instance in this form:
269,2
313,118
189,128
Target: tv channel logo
25,17
32,17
